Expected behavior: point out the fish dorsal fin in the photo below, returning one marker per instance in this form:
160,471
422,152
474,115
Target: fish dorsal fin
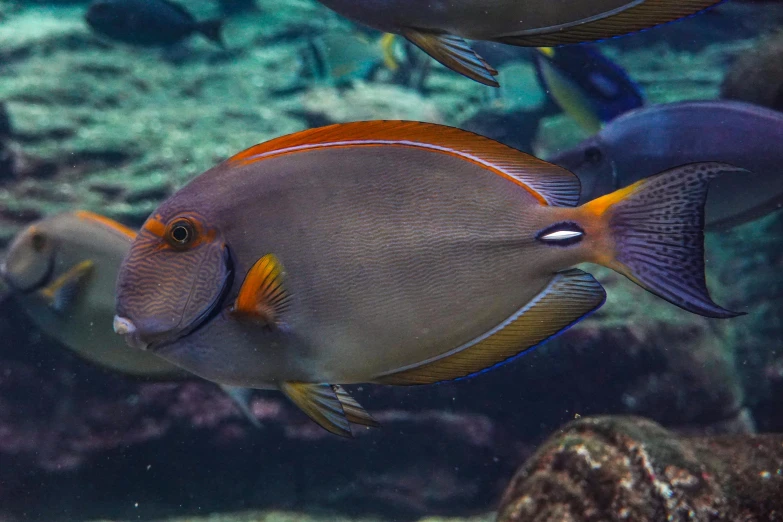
103,220
242,397
64,290
570,296
548,183
353,410
320,403
263,296
643,15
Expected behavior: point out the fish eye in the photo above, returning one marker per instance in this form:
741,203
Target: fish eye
38,241
593,155
181,233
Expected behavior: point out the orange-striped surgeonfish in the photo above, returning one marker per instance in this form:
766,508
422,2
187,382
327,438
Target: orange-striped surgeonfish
395,253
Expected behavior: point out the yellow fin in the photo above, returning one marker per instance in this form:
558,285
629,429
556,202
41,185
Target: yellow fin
64,290
353,410
320,403
263,296
570,296
387,46
455,53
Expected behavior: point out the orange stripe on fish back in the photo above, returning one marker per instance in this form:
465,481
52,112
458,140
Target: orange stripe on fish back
547,183
103,220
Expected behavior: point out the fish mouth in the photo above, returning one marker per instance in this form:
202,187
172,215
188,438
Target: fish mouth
128,330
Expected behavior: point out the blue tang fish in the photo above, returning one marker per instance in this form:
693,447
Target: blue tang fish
586,84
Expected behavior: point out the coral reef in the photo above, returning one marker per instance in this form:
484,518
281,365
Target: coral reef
613,469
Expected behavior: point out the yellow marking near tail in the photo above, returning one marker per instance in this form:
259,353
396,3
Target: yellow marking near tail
599,206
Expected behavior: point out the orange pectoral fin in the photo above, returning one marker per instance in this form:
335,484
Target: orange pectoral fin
263,297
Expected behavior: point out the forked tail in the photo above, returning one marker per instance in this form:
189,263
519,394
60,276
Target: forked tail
655,230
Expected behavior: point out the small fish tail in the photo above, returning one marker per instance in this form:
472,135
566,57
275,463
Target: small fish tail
212,30
653,233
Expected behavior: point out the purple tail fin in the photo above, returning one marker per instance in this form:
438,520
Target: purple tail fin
657,227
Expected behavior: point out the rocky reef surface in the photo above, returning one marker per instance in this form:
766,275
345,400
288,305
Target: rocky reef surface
114,129
613,469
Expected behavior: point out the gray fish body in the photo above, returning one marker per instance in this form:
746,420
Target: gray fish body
384,270
392,252
645,141
478,19
86,326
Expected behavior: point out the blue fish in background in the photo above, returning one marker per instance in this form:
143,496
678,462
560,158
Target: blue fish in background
587,85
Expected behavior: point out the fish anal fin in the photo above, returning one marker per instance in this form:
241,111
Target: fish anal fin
547,183
263,296
353,410
570,296
321,403
242,397
64,290
644,15
455,53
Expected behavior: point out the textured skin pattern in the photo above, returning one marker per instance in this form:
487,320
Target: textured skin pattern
171,291
569,297
397,254
548,183
659,235
392,255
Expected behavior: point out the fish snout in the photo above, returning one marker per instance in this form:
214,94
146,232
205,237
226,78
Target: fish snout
127,329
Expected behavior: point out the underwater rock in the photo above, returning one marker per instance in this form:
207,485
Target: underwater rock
756,76
626,468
